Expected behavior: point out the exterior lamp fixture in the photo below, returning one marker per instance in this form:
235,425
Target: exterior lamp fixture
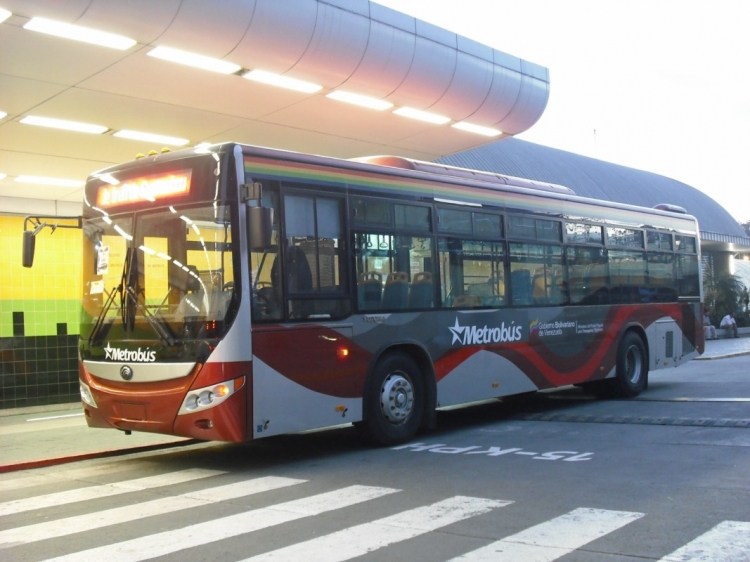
44,180
422,115
63,124
150,137
357,99
197,61
477,129
282,81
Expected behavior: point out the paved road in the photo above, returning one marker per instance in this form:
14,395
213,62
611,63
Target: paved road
561,477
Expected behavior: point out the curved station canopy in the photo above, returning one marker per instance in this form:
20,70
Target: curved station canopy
347,78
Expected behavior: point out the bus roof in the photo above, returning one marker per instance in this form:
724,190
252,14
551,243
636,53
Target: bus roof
399,165
455,171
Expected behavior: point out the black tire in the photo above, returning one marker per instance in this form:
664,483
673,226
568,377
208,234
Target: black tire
394,401
631,376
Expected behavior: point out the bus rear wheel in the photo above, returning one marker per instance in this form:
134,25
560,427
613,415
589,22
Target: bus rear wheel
394,401
632,367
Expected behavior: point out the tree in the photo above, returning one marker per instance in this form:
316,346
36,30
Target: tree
746,226
725,295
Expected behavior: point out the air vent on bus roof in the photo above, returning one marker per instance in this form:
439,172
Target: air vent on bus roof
671,208
456,172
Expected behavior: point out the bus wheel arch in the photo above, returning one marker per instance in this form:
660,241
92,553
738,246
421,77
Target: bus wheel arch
632,366
399,396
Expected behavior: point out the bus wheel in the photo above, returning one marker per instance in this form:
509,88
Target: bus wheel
394,401
632,366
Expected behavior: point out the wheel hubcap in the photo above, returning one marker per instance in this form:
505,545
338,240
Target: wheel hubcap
633,365
397,398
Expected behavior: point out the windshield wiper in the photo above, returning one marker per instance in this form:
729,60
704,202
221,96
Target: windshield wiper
160,326
127,304
97,330
99,324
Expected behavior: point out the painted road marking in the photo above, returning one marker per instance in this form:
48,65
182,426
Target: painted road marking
361,539
554,538
729,541
7,485
105,490
161,506
168,542
55,417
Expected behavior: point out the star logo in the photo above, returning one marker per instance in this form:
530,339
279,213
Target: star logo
108,352
458,332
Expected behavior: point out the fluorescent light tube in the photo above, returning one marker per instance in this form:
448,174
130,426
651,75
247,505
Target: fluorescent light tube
477,129
422,115
357,99
43,180
282,81
191,59
151,137
4,15
63,124
78,33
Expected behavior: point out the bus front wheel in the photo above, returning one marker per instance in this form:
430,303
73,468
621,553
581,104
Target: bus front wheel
632,366
394,401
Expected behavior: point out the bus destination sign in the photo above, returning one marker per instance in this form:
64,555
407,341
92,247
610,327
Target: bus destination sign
149,188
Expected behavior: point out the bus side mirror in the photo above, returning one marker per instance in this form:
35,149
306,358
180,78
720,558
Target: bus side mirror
29,241
260,227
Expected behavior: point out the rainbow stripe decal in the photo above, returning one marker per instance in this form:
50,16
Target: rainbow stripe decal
389,182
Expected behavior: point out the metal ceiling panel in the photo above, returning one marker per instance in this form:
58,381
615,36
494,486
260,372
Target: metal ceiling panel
468,89
532,99
212,29
346,121
68,11
385,63
142,20
432,69
277,37
51,59
336,47
355,45
506,85
20,95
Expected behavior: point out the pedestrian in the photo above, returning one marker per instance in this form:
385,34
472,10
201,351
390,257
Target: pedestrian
729,324
709,330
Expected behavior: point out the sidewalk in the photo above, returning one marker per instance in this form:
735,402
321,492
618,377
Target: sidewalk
51,435
722,348
37,437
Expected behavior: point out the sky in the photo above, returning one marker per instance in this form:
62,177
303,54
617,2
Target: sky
657,85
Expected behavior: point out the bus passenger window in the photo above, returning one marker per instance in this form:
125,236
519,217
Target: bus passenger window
627,270
472,268
537,275
587,275
661,281
314,281
265,265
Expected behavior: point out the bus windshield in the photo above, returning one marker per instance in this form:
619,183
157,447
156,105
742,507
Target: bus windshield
163,276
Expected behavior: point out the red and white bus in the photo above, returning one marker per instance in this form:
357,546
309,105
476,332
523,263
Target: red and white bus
237,292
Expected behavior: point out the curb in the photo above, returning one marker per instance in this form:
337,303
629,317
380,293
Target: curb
725,356
40,463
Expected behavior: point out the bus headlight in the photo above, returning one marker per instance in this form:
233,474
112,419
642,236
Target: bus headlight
86,395
199,399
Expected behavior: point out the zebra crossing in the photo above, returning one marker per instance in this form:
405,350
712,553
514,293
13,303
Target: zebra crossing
544,542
